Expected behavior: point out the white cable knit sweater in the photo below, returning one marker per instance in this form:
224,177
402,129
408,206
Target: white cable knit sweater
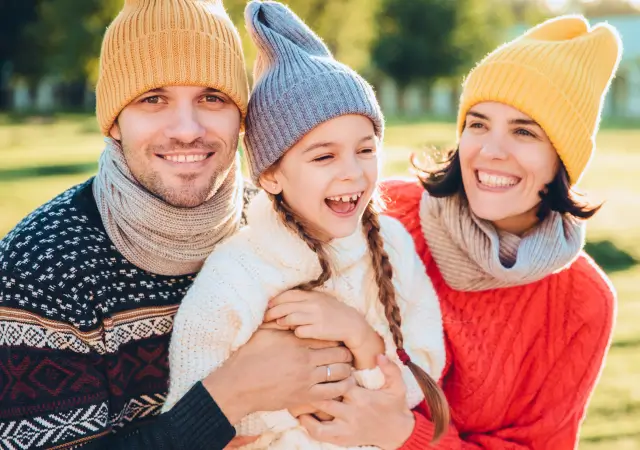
228,299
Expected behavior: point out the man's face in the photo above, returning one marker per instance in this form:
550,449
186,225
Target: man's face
179,141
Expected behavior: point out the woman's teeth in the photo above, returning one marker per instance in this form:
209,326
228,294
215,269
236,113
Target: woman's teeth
186,158
492,180
346,198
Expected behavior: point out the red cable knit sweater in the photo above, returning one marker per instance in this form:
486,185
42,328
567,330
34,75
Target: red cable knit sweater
522,361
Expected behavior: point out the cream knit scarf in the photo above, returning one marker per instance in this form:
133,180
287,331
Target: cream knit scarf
153,235
473,256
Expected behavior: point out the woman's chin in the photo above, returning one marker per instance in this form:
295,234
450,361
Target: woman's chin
495,214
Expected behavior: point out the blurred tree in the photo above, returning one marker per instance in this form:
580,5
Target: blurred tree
71,32
347,27
480,26
421,41
528,12
415,40
16,49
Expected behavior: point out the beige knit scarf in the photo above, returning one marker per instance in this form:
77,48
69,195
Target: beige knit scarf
473,256
153,235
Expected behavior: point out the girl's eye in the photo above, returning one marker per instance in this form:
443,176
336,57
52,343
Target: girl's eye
476,125
154,100
322,158
367,150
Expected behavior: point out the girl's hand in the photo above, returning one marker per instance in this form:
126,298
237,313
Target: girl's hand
315,315
379,418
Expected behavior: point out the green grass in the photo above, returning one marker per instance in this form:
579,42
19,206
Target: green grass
68,146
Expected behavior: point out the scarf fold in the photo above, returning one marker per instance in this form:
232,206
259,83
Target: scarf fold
473,256
153,235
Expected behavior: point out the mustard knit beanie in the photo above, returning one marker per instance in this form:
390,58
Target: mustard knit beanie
557,73
155,43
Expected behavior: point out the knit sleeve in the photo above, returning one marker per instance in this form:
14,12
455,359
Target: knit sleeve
553,419
222,309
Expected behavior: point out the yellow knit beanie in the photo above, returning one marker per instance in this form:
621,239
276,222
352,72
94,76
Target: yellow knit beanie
558,74
155,43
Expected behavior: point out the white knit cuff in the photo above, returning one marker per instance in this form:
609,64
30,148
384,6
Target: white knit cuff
370,378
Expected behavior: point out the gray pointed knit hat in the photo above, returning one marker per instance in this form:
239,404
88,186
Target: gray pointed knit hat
297,85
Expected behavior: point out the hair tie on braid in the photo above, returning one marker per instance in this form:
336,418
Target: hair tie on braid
436,401
404,357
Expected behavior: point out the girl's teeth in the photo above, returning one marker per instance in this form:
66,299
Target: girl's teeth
346,198
492,180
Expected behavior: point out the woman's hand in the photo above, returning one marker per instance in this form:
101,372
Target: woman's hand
315,315
380,418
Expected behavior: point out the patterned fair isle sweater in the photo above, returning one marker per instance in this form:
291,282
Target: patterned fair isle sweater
84,337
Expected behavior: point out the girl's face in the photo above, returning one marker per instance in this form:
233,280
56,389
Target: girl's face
506,160
329,176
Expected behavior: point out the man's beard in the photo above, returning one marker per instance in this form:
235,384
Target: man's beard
187,195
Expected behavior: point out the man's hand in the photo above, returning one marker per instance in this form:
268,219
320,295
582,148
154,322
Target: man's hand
276,370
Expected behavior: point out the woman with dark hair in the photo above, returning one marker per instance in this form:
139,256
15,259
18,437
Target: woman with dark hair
500,228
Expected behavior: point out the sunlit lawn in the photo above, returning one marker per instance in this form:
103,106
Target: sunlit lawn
39,160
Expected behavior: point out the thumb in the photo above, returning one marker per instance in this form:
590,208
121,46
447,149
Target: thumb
392,374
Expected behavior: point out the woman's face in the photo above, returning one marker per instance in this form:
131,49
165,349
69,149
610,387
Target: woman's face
506,160
330,175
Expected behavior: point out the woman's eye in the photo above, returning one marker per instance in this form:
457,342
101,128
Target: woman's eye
476,125
367,150
213,99
523,132
323,158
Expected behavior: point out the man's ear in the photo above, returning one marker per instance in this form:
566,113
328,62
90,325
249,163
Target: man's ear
269,182
114,132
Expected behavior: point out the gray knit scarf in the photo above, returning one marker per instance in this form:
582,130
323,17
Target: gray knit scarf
473,256
154,235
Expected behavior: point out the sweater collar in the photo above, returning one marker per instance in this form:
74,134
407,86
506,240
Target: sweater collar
279,244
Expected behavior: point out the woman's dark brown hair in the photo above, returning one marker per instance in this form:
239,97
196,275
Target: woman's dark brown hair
444,179
434,396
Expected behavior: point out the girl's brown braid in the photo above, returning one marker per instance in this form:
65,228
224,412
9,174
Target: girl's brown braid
295,224
384,273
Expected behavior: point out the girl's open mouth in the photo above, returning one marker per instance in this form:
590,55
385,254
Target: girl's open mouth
343,204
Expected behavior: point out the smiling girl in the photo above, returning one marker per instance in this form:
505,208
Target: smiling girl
313,137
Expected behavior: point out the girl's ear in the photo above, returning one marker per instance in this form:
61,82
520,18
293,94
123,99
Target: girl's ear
269,182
